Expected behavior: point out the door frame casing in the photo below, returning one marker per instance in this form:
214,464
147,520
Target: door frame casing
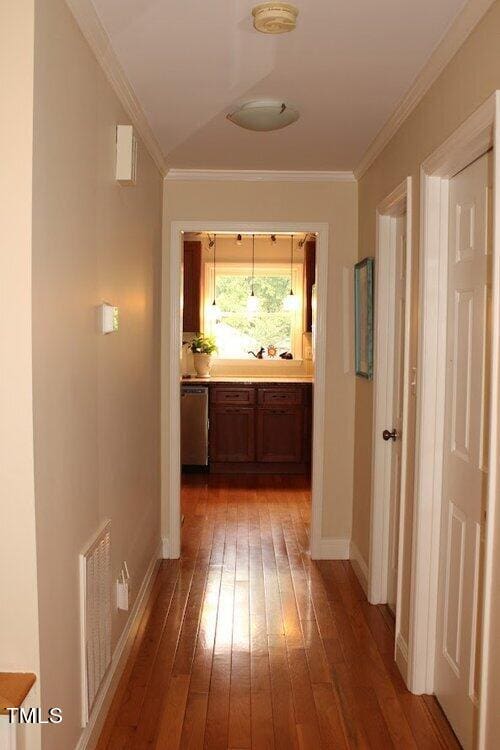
398,202
171,371
472,139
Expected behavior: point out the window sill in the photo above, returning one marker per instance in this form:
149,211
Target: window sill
254,362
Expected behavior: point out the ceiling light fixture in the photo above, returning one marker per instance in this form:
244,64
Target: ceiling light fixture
275,17
252,301
291,301
264,115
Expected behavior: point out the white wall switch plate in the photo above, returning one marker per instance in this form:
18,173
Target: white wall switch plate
109,318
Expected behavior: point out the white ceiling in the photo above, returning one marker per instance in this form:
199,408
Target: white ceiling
345,68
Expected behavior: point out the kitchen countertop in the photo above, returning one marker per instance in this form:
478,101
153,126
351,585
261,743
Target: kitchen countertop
248,379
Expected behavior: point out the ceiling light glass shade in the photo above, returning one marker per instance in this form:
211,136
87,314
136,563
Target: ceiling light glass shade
291,302
252,304
214,311
264,115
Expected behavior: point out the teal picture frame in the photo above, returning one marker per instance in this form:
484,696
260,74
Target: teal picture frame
363,318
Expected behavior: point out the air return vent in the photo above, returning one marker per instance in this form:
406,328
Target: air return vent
95,614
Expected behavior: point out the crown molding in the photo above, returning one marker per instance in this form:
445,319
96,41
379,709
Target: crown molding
254,175
450,43
100,44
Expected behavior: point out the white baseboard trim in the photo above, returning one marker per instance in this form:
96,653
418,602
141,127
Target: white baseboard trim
91,732
360,567
402,657
165,548
333,548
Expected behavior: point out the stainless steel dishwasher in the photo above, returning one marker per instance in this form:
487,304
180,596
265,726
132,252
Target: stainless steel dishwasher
194,425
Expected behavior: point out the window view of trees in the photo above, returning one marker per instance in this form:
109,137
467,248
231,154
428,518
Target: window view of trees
237,332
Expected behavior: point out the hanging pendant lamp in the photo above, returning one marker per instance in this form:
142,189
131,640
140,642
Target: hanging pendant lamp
215,312
291,301
252,301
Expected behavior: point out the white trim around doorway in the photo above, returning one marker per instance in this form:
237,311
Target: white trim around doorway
472,139
399,202
171,372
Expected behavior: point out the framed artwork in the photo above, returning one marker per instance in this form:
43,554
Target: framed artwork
363,318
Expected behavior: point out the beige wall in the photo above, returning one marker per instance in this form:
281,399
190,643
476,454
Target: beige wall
471,76
18,585
96,398
334,203
17,541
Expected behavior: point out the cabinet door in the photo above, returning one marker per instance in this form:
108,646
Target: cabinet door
280,434
309,280
232,433
192,287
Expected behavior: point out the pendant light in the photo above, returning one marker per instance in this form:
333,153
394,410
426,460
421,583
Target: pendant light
252,301
291,301
214,311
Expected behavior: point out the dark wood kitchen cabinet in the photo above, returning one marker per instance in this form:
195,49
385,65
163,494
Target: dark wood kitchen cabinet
280,434
191,312
232,434
260,428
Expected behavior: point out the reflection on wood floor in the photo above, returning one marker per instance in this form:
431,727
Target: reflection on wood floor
247,643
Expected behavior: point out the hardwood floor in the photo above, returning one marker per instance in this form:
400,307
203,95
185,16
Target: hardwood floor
247,643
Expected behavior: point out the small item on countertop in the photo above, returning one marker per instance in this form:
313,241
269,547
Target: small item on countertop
271,350
260,353
286,355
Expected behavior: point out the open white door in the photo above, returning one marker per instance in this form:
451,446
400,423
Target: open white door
465,447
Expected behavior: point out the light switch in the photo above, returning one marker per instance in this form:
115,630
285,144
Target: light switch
109,318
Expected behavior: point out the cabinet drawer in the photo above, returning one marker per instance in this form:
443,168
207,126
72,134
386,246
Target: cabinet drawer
245,395
280,396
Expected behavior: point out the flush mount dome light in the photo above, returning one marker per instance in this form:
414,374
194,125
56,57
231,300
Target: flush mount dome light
264,115
275,18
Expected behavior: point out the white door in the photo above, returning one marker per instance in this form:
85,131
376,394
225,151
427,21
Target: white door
465,446
397,409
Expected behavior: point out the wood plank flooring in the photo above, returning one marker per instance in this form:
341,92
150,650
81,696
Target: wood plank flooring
247,643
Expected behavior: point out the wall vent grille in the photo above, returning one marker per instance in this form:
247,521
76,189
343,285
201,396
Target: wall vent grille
95,615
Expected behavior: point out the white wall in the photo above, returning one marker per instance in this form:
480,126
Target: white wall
18,584
96,398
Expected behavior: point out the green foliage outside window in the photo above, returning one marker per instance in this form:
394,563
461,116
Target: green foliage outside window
269,325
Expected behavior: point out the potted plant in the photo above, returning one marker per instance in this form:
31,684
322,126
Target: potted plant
202,348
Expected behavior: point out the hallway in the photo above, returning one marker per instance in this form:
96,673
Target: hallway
247,643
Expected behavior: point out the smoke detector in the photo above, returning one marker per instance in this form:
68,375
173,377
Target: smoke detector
275,18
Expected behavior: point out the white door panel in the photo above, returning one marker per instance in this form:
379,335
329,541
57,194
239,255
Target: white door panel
465,447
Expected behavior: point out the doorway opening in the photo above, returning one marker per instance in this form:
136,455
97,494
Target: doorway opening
258,293
389,557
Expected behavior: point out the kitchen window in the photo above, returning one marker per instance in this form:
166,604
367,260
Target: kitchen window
236,331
